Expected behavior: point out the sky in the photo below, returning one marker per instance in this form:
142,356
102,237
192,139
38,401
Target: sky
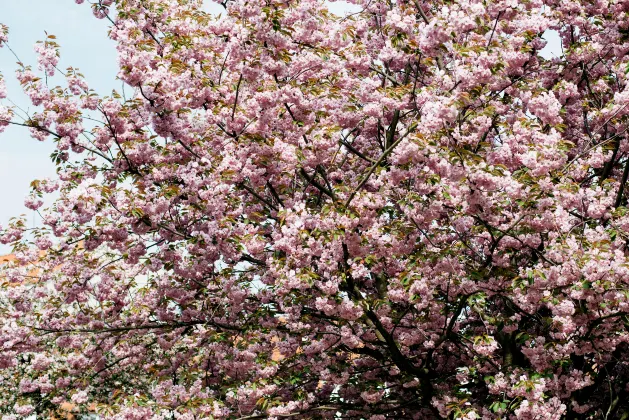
84,45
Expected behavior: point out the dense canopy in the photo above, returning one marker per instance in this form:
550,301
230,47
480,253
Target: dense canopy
403,213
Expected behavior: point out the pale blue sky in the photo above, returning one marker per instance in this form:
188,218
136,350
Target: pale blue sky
84,45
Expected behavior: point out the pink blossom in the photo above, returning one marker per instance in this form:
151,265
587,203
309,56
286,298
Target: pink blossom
80,397
546,107
47,57
4,35
3,89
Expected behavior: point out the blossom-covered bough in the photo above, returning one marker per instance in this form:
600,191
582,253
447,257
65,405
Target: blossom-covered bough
403,213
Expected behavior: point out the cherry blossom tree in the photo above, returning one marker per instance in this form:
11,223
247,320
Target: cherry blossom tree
403,213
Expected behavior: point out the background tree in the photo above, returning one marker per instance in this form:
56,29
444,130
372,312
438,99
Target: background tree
403,213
